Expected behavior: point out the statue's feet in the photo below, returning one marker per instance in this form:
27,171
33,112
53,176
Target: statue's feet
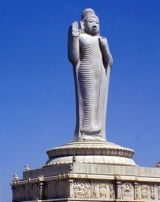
91,131
91,137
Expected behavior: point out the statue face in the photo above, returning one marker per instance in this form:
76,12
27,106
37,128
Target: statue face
91,26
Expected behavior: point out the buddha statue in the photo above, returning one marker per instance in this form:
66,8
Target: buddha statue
91,59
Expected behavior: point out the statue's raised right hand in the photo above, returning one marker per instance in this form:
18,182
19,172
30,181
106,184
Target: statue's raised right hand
75,29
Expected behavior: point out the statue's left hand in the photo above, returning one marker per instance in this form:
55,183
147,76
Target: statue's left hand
105,51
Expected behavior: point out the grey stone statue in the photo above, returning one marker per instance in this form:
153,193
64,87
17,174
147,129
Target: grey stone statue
91,59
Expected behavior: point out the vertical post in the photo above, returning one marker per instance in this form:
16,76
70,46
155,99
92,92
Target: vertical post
13,193
118,188
136,191
41,183
70,189
41,190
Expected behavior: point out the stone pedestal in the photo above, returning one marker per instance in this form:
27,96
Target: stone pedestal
88,171
100,152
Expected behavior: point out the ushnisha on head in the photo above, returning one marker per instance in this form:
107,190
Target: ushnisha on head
90,22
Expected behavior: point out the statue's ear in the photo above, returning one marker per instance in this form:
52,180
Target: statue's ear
82,26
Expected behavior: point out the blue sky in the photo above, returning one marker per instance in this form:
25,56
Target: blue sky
37,104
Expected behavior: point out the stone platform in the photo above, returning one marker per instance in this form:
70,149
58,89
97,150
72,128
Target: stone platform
90,171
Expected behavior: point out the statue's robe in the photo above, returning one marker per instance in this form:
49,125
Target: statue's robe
91,89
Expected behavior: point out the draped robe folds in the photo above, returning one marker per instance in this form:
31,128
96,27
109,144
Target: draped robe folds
91,85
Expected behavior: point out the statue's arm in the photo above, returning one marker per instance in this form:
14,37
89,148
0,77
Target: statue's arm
73,43
107,57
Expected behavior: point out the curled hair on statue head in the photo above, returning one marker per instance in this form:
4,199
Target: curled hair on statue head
87,12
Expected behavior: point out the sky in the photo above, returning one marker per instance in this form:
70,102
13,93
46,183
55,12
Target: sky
37,101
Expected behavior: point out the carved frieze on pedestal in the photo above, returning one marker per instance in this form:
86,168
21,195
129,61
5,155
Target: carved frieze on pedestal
93,190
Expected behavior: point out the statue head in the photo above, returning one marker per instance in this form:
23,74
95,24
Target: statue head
90,22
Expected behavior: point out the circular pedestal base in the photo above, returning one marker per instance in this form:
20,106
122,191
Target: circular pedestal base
91,152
